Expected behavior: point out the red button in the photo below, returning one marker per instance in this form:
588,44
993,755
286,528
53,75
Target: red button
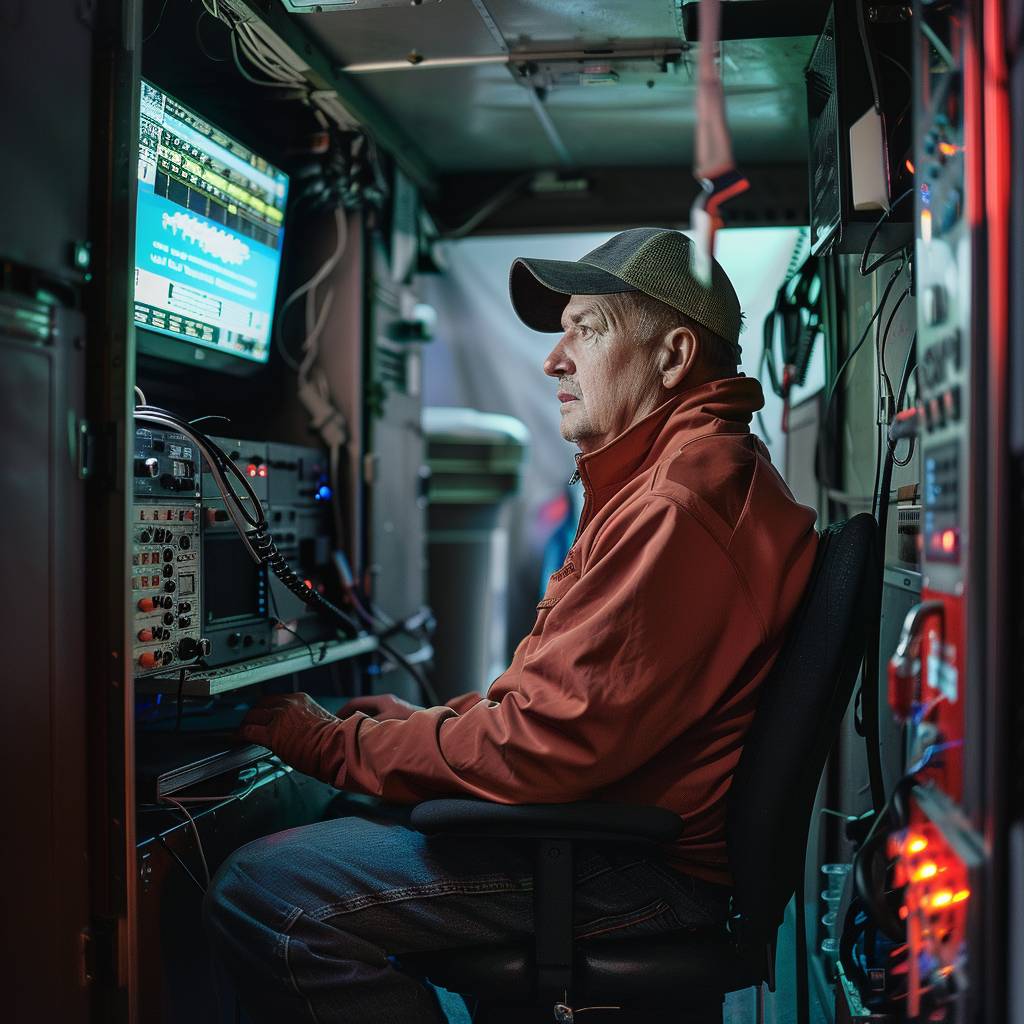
146,636
148,659
147,604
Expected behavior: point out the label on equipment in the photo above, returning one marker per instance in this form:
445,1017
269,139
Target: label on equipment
942,672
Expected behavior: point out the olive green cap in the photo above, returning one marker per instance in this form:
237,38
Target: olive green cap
655,261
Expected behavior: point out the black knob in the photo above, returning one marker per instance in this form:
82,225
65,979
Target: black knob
184,622
170,586
158,535
188,648
169,618
184,542
168,554
184,606
168,569
146,536
166,602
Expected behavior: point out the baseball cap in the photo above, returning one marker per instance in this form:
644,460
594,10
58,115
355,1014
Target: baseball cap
655,261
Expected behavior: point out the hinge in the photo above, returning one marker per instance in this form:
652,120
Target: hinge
97,954
96,451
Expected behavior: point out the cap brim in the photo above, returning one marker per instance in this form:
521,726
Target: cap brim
540,289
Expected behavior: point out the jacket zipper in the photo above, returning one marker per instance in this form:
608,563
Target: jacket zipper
577,477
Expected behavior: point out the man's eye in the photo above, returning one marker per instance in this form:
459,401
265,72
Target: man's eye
584,330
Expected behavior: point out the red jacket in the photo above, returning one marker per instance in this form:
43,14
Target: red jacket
640,677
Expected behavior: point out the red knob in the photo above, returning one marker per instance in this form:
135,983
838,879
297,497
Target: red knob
147,604
903,676
148,659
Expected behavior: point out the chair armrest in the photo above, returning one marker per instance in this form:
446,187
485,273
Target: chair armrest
586,820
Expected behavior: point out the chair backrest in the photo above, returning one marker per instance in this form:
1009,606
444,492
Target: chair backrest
800,707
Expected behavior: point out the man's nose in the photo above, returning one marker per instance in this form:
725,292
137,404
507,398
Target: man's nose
558,363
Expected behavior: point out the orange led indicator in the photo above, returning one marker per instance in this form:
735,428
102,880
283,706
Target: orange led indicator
309,583
959,897
942,899
928,870
250,469
917,844
904,913
262,471
948,540
948,149
926,225
910,166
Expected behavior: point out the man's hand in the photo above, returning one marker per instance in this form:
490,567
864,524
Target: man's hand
298,730
382,707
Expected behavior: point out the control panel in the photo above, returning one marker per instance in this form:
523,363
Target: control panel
242,604
935,853
166,559
947,103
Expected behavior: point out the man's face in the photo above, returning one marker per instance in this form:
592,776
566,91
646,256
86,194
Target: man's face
607,378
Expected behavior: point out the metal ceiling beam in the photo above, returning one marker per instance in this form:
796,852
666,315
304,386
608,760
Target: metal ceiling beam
325,74
417,62
561,151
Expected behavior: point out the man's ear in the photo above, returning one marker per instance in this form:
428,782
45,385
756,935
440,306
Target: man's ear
680,349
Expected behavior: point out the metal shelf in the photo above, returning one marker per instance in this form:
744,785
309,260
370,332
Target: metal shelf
210,682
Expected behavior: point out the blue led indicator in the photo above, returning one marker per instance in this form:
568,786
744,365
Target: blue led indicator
324,493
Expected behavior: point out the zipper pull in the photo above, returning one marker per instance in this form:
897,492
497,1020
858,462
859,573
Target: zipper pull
575,478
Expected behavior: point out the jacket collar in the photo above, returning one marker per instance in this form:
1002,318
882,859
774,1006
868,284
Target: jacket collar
721,406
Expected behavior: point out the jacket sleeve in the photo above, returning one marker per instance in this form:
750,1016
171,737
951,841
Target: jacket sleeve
635,652
463,702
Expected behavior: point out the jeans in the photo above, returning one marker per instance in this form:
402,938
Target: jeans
309,922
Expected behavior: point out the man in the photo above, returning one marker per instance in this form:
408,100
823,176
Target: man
637,683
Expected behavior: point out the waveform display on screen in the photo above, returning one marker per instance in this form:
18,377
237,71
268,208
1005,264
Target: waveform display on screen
212,241
208,207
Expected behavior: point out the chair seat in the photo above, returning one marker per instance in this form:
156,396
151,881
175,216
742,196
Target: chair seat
675,966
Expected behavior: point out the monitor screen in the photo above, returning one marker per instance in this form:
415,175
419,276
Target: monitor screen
208,240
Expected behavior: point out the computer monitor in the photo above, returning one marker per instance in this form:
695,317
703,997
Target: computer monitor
208,240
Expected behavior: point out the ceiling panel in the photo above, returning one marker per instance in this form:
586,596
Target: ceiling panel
480,118
529,23
453,28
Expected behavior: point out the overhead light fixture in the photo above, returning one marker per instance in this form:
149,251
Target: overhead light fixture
328,6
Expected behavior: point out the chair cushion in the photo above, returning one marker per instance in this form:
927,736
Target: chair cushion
627,972
585,819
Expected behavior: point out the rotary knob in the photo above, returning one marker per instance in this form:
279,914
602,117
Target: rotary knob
190,648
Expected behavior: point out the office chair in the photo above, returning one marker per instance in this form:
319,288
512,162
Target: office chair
682,977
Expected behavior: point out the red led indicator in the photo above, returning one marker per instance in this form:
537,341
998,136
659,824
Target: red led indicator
262,471
309,583
251,469
949,541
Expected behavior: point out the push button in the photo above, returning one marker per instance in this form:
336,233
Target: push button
951,400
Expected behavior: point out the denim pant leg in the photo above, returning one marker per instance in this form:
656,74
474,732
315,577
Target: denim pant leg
306,921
